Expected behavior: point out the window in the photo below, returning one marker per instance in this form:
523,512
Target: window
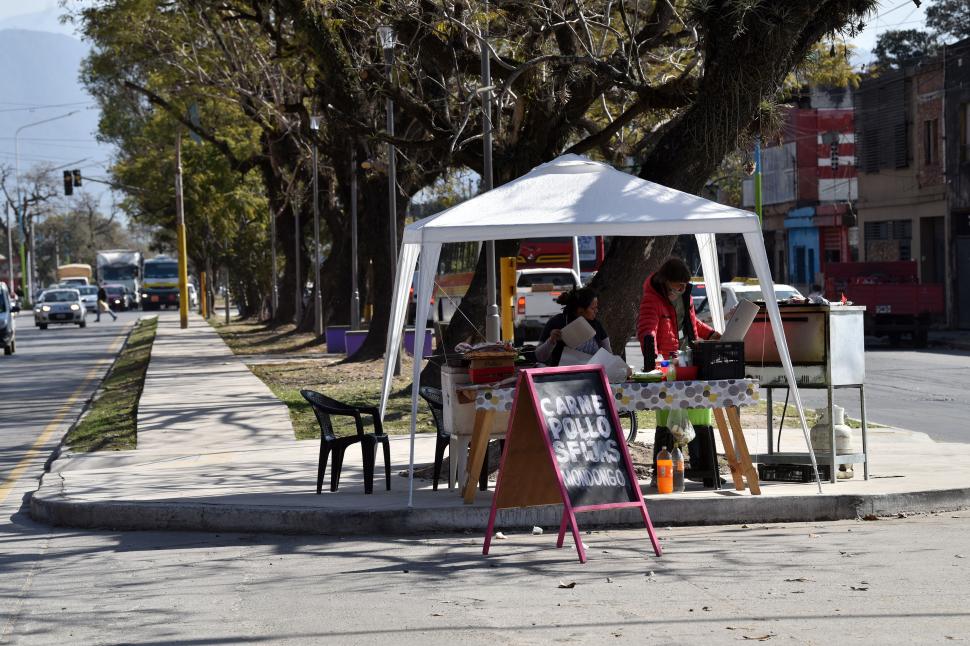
930,130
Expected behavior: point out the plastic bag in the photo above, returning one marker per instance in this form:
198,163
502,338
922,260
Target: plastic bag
680,427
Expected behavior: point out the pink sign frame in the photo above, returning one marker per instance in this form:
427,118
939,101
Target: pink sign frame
526,384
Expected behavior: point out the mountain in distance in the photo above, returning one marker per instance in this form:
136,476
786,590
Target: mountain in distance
39,80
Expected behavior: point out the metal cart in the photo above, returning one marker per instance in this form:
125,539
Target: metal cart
826,344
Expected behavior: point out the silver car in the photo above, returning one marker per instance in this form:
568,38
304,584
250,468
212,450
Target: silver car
60,306
89,296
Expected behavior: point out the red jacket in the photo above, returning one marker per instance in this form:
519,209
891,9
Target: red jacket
658,319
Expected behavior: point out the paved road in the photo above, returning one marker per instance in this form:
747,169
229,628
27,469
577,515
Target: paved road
899,581
919,390
44,385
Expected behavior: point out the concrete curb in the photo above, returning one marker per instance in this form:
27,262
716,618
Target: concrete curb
720,510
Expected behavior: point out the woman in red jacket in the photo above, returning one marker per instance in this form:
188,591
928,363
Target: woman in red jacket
667,324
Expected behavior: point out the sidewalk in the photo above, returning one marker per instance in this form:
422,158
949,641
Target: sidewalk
216,453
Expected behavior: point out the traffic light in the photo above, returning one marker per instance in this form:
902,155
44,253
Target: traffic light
68,183
77,177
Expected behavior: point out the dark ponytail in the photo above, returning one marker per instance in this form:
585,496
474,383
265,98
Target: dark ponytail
576,298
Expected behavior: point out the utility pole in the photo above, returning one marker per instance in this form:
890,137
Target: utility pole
493,322
757,178
180,231
317,296
354,293
387,40
274,293
6,208
297,205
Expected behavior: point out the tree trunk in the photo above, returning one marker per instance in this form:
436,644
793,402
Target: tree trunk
376,246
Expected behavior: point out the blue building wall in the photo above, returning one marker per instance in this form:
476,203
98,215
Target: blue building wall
803,246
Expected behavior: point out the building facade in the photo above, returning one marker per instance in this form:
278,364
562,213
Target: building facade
809,187
914,172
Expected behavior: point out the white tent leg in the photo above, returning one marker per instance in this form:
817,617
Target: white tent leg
707,249
756,250
424,286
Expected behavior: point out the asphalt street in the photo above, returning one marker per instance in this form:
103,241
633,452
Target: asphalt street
45,384
898,581
918,390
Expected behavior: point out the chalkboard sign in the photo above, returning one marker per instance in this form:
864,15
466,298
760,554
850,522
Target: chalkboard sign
580,420
565,444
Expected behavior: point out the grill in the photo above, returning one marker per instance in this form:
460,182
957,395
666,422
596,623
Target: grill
826,346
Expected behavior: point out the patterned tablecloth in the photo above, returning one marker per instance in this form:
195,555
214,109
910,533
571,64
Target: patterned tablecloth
635,396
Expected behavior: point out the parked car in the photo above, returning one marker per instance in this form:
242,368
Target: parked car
60,306
118,297
8,329
535,302
89,296
735,291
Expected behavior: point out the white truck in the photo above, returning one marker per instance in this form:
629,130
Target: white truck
535,301
120,267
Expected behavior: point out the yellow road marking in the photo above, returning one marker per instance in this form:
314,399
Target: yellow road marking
55,423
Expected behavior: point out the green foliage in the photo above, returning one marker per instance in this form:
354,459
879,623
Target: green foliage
828,64
949,18
111,423
896,47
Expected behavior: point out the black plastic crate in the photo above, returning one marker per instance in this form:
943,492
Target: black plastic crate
792,472
719,360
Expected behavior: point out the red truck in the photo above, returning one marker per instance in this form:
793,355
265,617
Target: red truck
896,302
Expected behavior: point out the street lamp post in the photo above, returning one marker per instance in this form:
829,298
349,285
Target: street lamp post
493,322
25,274
354,293
317,298
387,39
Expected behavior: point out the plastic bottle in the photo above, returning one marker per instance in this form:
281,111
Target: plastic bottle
665,368
672,367
665,472
678,460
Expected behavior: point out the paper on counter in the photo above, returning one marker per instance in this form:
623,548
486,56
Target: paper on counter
578,332
572,357
615,367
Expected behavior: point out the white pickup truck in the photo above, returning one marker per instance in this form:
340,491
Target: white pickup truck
535,301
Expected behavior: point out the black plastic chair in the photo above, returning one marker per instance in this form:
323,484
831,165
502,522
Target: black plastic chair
323,407
436,404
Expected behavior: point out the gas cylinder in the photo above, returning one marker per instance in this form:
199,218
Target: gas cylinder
821,435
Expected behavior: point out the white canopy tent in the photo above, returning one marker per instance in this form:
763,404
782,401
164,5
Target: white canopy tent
573,195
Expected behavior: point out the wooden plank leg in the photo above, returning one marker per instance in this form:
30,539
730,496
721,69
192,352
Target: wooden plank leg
479,451
754,484
729,454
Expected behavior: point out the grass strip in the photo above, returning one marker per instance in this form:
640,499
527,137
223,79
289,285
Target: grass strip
247,337
111,423
357,384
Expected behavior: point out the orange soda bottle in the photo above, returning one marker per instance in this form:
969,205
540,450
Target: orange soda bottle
665,472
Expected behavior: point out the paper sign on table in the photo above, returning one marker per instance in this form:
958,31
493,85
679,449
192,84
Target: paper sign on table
615,367
578,332
572,357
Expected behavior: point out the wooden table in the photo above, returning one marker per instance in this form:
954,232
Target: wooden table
724,396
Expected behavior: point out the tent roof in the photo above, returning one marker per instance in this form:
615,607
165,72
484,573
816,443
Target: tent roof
590,197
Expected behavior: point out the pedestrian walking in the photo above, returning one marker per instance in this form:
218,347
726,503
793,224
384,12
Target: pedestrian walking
103,305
